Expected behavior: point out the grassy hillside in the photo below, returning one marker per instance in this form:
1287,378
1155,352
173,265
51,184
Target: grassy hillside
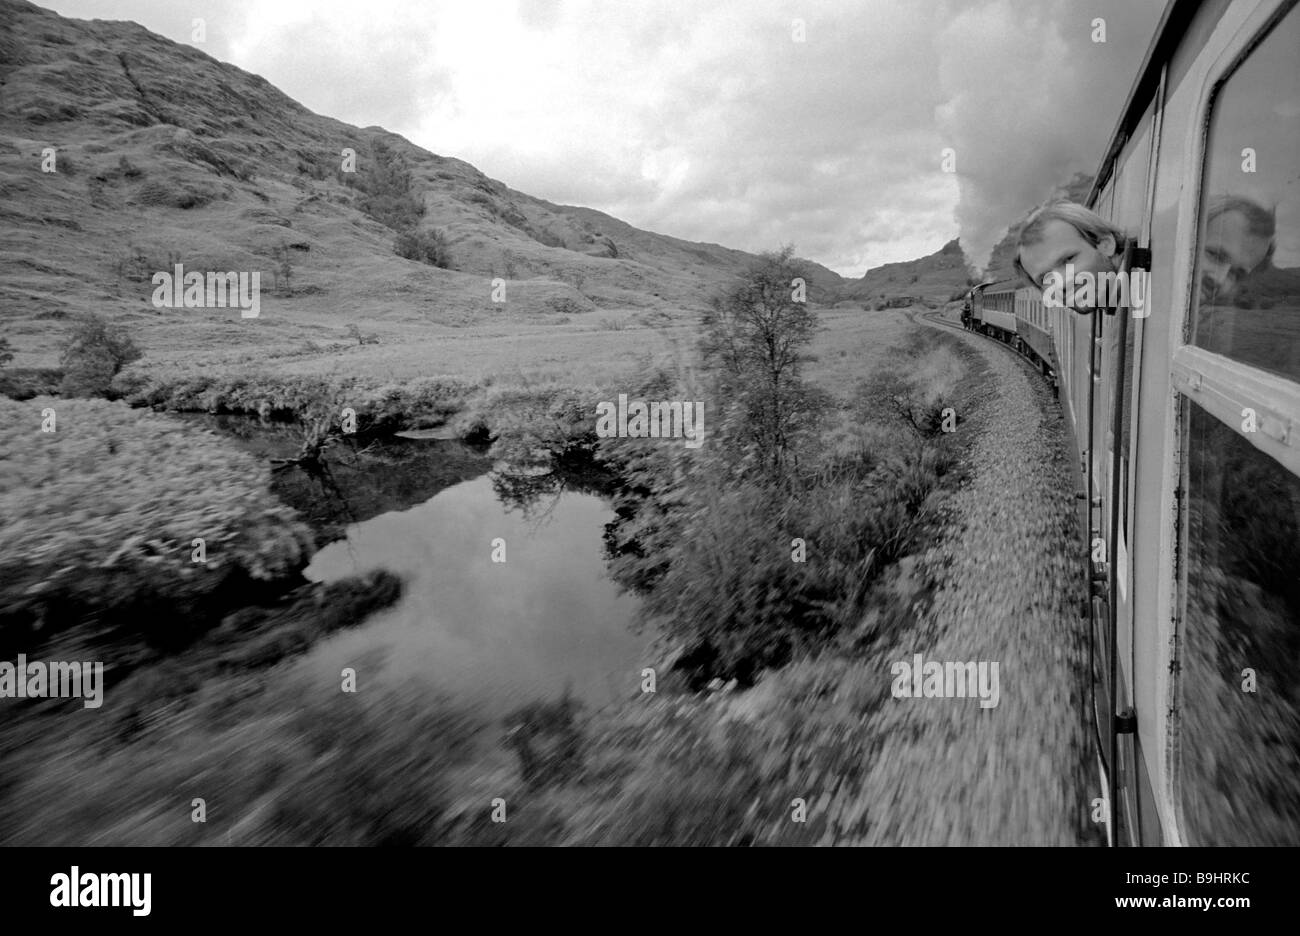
164,155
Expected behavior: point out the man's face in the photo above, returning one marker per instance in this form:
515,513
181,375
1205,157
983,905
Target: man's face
1231,253
1061,245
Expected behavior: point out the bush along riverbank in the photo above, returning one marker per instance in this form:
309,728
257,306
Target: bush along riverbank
130,536
541,413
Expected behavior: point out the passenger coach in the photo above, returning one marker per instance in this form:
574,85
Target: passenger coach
1186,421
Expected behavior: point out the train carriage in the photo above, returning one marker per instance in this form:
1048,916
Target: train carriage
1185,415
1014,313
993,305
1032,329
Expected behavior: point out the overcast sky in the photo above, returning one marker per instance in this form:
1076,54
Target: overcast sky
708,119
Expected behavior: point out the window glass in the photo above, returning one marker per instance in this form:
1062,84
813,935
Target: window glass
1247,300
1240,695
1111,336
1104,201
1112,326
1129,208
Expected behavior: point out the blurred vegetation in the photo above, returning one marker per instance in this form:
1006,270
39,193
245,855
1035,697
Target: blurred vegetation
93,354
1243,607
415,404
547,740
23,383
282,759
276,760
102,514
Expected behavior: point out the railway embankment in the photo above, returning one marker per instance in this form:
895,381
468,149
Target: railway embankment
1006,589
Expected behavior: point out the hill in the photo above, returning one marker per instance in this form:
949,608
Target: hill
123,153
934,278
164,155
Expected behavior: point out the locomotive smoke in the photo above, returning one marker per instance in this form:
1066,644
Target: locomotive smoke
1030,100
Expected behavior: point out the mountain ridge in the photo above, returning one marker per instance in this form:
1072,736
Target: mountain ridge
150,128
164,154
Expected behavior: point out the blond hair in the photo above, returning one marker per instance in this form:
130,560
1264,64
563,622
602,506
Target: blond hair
1090,225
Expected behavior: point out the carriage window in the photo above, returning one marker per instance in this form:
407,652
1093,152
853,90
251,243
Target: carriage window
1126,422
1240,698
1128,209
1247,300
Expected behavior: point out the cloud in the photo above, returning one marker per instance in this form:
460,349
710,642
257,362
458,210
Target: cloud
370,63
708,120
1034,101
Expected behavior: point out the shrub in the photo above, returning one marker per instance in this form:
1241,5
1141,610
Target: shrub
712,557
174,194
705,537
547,739
104,510
567,305
388,193
23,383
916,390
289,766
361,337
705,772
89,376
425,247
93,354
529,423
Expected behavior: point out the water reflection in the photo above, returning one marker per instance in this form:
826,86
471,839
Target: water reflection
497,633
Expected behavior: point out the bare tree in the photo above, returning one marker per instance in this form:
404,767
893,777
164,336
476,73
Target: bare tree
755,340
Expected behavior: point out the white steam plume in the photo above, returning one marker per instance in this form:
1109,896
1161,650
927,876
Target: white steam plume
1031,99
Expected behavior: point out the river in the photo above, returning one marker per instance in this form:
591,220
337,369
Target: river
506,596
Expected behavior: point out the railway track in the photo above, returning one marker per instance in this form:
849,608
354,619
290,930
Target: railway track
936,318
1006,589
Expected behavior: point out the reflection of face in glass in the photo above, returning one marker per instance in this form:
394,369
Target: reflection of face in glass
1233,249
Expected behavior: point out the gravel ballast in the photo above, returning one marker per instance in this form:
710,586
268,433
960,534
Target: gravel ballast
1008,588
